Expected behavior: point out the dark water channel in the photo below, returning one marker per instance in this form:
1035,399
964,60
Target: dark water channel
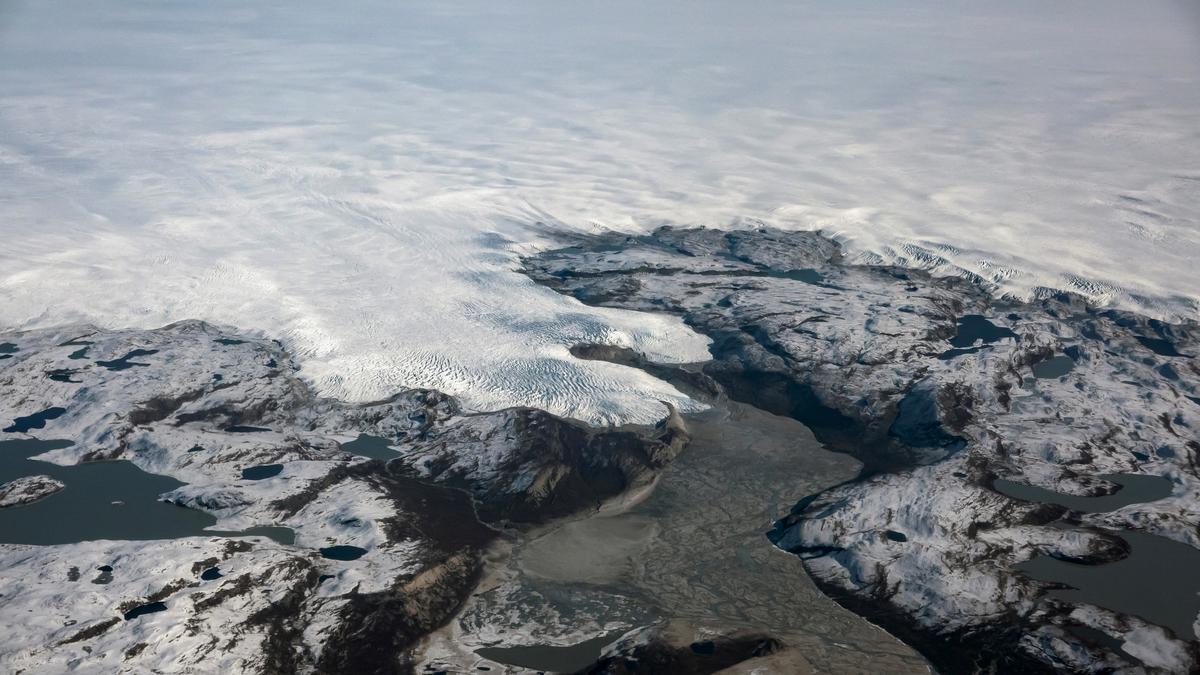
1158,581
101,500
1135,489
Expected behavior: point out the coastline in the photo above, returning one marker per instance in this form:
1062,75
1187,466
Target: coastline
939,389
936,388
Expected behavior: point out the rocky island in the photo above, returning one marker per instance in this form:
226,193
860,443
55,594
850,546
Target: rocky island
27,490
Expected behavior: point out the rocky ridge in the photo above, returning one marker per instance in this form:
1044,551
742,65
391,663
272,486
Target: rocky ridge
27,490
934,385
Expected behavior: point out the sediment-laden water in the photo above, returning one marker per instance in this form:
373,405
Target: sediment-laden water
694,549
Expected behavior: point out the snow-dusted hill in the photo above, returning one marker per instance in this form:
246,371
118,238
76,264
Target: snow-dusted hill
942,391
383,552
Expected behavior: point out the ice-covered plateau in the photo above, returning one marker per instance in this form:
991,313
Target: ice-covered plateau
923,543
202,404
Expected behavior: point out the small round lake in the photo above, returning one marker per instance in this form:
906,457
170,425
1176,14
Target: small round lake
101,500
262,472
1053,367
343,552
371,447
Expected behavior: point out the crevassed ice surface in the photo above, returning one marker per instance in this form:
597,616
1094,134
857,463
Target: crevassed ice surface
360,178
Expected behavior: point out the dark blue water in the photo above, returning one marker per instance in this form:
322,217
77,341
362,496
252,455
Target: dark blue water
343,552
125,363
85,510
261,472
974,328
371,447
1158,346
1054,367
1135,489
63,375
37,420
84,346
142,610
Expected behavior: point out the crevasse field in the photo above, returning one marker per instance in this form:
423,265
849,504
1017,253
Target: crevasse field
360,179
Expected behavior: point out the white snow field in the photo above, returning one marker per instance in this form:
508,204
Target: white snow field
359,179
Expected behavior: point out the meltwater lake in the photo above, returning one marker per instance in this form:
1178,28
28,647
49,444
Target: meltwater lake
1160,578
101,500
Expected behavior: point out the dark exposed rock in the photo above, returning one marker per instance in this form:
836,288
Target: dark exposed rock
162,407
692,382
283,649
392,621
133,651
92,631
558,466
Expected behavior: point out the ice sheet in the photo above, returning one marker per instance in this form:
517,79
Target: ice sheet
360,180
